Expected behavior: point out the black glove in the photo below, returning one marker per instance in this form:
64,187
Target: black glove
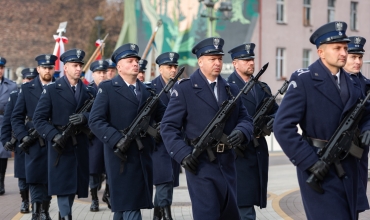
120,145
78,119
236,137
59,140
319,169
239,150
270,124
26,140
9,146
158,137
190,163
365,138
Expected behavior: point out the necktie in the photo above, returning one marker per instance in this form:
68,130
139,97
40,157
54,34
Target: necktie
213,86
74,89
132,88
336,80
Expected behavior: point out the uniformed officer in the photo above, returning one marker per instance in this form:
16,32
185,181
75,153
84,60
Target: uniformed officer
68,172
252,169
193,104
6,136
165,170
112,69
353,67
142,68
117,103
6,87
317,99
36,158
96,149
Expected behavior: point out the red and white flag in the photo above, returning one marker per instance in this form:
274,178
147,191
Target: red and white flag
88,75
58,50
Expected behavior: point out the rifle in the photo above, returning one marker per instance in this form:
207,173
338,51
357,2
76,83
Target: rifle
10,145
340,144
140,125
34,136
213,133
260,120
70,129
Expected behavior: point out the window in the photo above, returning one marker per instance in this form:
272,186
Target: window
353,18
306,58
280,11
331,10
279,63
306,12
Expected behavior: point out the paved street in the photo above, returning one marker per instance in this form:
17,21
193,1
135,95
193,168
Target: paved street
284,201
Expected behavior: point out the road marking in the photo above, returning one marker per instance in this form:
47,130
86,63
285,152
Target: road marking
276,204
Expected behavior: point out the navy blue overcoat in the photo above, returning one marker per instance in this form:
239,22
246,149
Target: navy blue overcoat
252,169
192,106
57,103
115,108
313,102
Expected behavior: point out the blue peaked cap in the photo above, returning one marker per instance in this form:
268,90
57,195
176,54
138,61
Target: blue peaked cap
169,58
209,46
125,51
142,65
332,32
73,56
243,52
356,45
29,73
47,60
99,65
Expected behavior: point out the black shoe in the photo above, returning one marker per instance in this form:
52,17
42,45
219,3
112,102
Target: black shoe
36,210
167,213
94,200
106,195
45,211
2,186
158,213
25,205
68,217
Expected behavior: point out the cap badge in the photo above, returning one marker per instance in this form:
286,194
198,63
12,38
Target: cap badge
140,62
78,53
339,27
47,58
247,47
357,40
132,46
171,55
216,42
31,70
100,62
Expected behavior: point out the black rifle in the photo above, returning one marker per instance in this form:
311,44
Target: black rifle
340,144
71,130
213,134
10,145
139,127
260,120
34,136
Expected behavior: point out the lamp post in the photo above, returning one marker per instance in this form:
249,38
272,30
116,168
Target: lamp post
99,20
225,8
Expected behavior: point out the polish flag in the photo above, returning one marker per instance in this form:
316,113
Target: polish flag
88,75
58,50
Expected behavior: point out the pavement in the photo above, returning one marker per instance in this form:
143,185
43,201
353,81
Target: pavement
284,200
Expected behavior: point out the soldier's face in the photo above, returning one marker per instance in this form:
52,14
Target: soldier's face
210,66
244,67
334,54
111,72
45,73
168,71
2,69
354,63
99,76
128,66
73,70
141,76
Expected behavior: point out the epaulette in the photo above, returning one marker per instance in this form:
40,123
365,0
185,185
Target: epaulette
182,80
14,91
303,70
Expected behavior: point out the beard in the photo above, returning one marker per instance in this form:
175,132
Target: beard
46,77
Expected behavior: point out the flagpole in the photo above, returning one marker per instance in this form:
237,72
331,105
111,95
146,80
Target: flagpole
147,48
94,55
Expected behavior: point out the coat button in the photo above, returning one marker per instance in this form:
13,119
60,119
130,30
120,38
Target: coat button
293,161
171,153
105,137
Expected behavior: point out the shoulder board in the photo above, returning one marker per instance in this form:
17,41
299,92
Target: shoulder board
301,71
14,91
182,80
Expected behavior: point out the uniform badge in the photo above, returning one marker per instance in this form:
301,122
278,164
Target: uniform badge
174,92
339,27
247,47
171,55
301,71
78,53
44,91
292,83
216,42
132,46
47,58
59,85
357,40
100,90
